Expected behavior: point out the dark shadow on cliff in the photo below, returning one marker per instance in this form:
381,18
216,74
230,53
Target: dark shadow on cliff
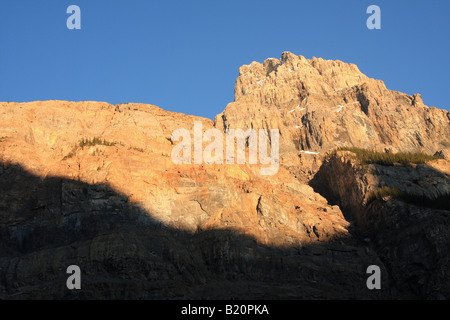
328,182
411,234
48,224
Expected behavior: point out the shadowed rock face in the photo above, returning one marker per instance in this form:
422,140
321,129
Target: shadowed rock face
140,226
124,253
93,184
133,157
410,235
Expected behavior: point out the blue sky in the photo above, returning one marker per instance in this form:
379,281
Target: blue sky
184,56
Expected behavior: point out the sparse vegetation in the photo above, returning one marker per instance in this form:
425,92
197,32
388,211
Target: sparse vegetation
384,192
387,159
136,148
71,153
85,142
441,202
94,142
98,152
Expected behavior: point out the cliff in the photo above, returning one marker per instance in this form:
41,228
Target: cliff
408,221
319,104
94,184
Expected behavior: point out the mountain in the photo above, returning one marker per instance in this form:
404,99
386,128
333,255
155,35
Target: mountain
95,185
320,104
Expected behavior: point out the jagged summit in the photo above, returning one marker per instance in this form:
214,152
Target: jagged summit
292,78
318,104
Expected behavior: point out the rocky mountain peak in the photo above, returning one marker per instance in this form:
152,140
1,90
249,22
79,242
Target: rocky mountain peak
292,78
319,104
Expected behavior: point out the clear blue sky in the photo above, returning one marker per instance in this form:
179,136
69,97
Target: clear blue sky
184,55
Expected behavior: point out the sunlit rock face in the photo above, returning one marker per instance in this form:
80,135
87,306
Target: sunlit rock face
95,185
319,104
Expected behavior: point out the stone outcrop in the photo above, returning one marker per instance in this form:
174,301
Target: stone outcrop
93,184
140,226
319,104
133,156
413,239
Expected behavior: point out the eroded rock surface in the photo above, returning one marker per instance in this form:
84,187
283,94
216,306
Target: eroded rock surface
140,226
319,104
93,184
411,237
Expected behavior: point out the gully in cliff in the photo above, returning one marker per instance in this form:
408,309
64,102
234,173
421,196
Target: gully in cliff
214,152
